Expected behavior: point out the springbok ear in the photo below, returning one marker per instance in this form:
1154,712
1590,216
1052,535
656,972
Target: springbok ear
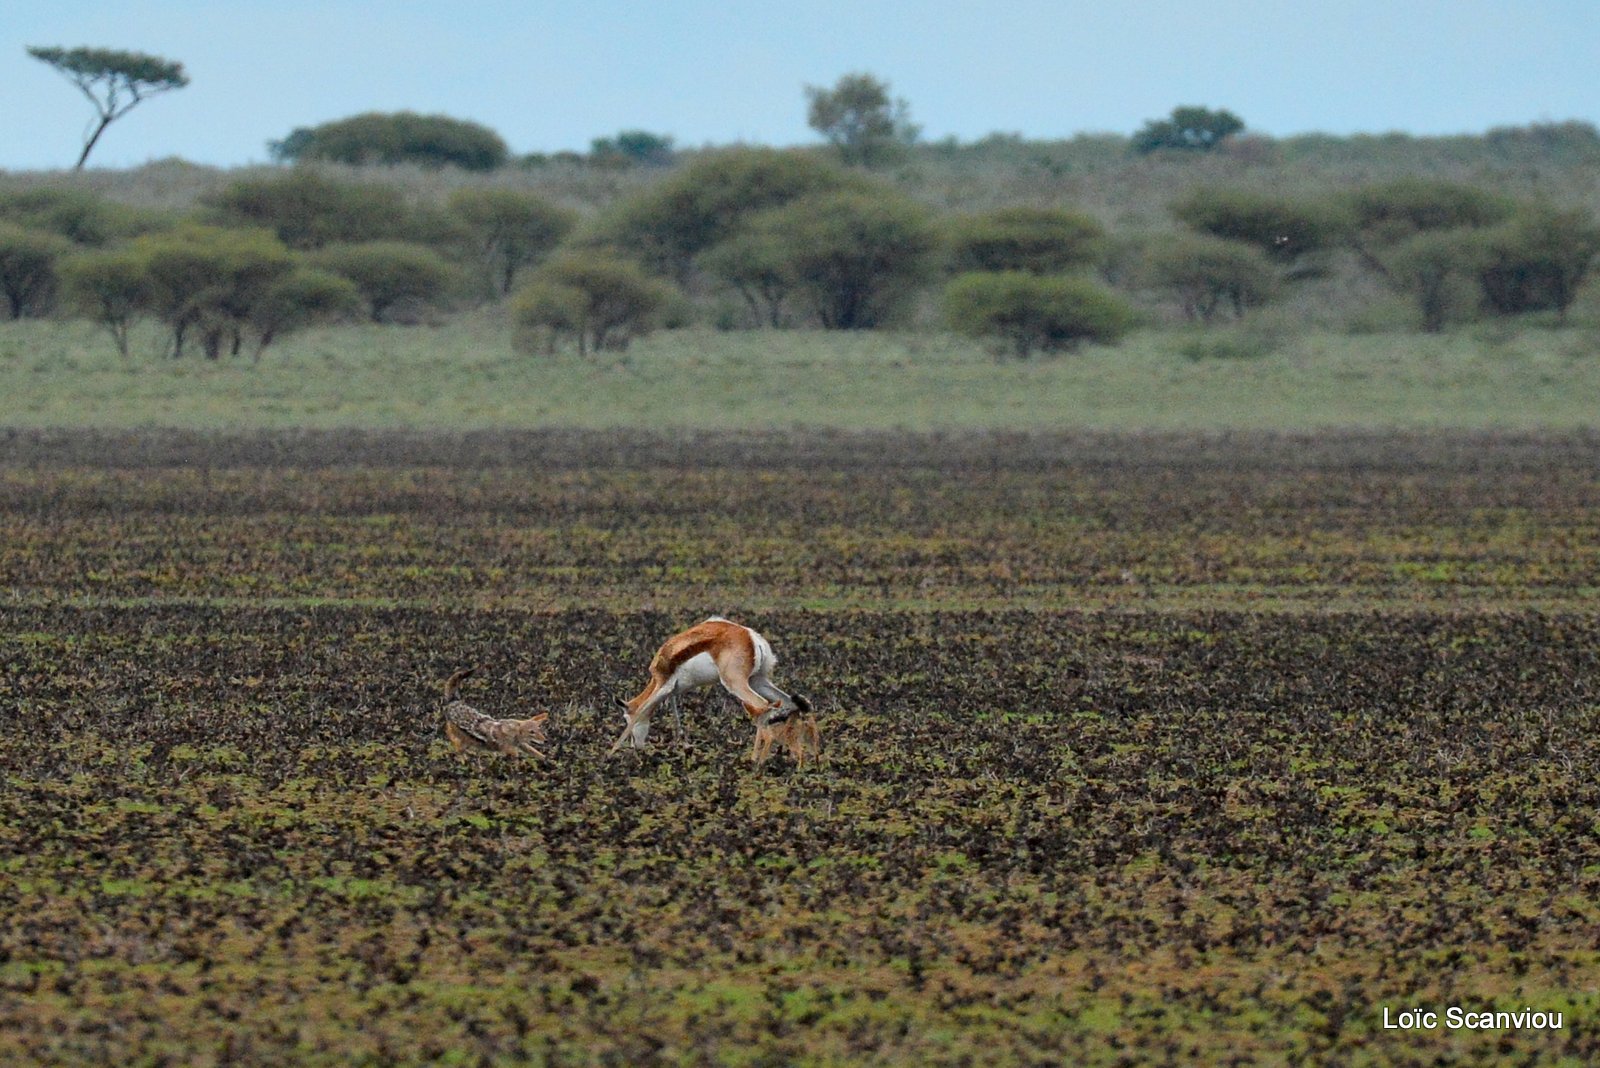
621,703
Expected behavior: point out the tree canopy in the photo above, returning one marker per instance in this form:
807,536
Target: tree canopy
1188,129
398,137
114,81
1025,238
858,116
633,147
671,222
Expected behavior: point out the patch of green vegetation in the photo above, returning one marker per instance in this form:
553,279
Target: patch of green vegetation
377,376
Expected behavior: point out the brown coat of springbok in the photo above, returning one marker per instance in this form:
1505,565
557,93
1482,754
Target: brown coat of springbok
720,650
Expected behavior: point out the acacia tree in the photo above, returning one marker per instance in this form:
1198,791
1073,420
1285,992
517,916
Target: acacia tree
757,266
511,228
206,281
850,257
1209,275
1285,228
602,301
391,275
110,288
861,119
1187,129
28,276
1538,260
114,81
396,137
1025,312
298,299
308,211
630,147
674,220
1435,269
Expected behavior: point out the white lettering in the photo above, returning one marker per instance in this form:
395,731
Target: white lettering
1410,1020
1457,1018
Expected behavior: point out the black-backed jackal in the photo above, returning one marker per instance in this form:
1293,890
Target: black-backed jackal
467,728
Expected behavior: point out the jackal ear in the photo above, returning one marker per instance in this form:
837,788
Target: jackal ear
802,703
541,717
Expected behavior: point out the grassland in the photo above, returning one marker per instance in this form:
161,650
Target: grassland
1141,748
465,374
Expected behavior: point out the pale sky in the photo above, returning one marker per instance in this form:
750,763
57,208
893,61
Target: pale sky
553,75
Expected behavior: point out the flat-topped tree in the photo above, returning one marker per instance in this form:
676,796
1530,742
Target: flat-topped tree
114,81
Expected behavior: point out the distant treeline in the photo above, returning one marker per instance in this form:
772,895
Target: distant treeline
1036,246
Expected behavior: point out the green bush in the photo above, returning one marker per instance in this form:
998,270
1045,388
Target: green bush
80,217
672,222
110,287
600,301
1187,129
1388,213
1425,238
28,269
396,279
757,266
1436,270
850,257
1538,260
509,229
255,295
632,148
1036,240
1283,228
1029,312
308,211
861,120
1210,275
207,280
398,137
299,299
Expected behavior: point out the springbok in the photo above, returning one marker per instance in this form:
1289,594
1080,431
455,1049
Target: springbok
720,650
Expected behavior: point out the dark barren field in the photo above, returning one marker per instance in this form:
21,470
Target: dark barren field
1139,749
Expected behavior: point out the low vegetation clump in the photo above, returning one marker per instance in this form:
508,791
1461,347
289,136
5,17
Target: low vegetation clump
1211,277
29,261
397,137
396,279
600,302
1027,313
850,259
